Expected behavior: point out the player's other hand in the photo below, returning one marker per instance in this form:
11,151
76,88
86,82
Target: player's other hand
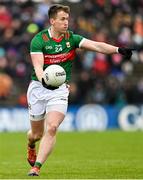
126,52
48,86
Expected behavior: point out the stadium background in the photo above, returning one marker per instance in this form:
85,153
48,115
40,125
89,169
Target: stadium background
106,92
108,88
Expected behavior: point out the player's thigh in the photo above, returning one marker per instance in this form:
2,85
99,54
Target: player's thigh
56,107
53,120
36,101
55,115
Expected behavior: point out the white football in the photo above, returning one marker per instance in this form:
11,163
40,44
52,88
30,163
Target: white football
54,75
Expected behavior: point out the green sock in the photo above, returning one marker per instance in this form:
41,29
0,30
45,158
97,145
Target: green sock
38,164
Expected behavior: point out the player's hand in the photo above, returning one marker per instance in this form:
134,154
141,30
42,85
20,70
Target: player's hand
48,86
126,52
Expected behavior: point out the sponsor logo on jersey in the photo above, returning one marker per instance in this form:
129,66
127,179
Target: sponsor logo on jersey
58,58
48,47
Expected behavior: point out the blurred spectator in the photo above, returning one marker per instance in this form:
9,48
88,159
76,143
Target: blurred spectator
22,100
5,17
130,91
98,93
6,85
138,30
100,65
115,95
73,98
85,84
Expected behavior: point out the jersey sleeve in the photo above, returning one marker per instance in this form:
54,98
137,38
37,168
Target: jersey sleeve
36,45
78,39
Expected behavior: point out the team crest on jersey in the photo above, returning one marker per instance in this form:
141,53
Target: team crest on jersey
68,44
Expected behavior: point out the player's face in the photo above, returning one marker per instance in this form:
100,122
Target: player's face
61,22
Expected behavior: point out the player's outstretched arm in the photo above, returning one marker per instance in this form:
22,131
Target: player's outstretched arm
38,62
105,48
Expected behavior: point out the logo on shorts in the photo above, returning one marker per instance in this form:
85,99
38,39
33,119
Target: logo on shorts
63,99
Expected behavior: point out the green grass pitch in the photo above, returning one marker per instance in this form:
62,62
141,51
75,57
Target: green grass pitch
84,155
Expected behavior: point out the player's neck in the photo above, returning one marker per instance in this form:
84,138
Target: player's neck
55,34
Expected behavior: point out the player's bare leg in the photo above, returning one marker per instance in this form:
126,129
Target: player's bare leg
35,134
53,120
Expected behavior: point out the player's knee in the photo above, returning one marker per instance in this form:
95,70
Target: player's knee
37,136
52,129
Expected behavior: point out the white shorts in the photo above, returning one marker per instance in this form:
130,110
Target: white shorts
42,100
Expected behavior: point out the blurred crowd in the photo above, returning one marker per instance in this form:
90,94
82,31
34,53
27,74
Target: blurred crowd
97,78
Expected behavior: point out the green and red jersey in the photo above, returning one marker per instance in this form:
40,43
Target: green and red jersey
61,51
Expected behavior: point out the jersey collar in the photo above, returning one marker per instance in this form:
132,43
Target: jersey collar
57,40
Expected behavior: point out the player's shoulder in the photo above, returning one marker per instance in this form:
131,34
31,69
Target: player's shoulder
73,34
42,35
44,31
69,34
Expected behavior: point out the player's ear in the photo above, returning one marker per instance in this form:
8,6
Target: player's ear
52,21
